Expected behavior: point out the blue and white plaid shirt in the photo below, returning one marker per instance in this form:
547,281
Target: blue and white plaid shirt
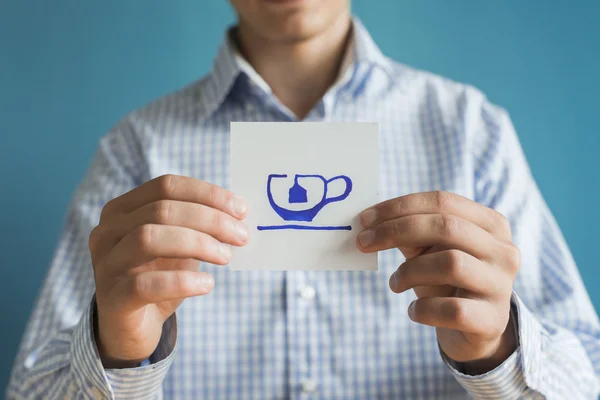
318,334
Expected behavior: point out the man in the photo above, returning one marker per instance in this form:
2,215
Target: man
459,204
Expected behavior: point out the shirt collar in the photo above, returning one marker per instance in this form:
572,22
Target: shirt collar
229,64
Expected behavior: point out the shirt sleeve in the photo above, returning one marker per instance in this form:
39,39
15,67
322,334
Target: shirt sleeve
558,353
58,357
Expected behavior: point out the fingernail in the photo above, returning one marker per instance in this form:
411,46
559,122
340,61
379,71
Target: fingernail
366,237
225,251
369,217
205,280
394,281
242,232
411,311
238,206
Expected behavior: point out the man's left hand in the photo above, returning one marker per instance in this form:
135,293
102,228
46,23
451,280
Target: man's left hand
461,263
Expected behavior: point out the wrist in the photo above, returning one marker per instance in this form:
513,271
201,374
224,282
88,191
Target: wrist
109,362
505,347
113,363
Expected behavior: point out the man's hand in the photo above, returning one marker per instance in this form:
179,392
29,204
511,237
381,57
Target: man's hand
461,262
146,252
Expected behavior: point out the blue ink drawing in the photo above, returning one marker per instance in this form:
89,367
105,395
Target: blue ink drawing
298,195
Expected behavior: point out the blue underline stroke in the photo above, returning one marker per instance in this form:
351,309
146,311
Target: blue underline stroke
304,227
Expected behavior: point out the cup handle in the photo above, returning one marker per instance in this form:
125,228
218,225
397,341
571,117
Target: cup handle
343,195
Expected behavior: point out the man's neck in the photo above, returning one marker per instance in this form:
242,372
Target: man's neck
300,72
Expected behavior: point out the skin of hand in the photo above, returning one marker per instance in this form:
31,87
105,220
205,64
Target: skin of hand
145,254
461,263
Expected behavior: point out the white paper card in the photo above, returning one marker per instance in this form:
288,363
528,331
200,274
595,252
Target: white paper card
306,184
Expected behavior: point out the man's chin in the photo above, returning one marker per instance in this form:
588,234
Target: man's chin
296,28
300,27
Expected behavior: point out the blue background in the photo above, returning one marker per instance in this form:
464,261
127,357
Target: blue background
70,69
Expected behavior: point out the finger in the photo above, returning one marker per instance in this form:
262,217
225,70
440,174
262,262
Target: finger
426,230
450,267
180,188
462,314
438,203
157,286
211,221
150,242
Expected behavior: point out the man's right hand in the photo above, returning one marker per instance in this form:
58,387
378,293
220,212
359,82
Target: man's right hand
146,252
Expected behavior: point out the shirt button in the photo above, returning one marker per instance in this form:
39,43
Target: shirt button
308,293
309,385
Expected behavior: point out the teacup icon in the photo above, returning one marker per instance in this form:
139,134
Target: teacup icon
298,196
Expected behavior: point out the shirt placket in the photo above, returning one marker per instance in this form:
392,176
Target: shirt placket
302,335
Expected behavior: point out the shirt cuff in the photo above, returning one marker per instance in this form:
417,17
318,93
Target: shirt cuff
517,373
141,382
